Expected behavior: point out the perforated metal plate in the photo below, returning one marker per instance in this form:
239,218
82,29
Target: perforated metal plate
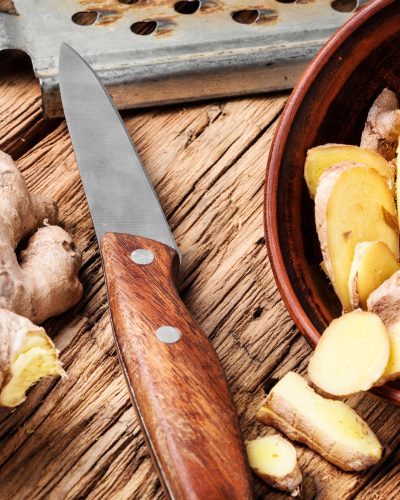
162,51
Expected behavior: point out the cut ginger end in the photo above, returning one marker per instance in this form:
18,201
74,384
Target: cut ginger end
373,263
274,460
351,355
323,157
331,428
36,359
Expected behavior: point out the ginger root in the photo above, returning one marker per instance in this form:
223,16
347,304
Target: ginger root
351,355
396,163
382,128
331,428
274,460
320,158
26,355
385,302
353,204
42,281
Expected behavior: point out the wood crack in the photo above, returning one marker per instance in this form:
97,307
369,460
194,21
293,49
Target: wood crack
219,176
197,132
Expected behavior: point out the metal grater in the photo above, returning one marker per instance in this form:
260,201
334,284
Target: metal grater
166,51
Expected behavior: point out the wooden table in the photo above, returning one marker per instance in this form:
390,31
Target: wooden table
79,438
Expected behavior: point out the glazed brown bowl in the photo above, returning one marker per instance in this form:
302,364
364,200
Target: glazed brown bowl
329,104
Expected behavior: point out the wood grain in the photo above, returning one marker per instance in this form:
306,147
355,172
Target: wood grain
179,390
79,438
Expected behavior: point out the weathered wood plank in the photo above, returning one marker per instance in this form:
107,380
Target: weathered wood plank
79,438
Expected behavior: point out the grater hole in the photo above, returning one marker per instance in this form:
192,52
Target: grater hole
286,1
144,27
187,6
85,18
344,5
245,16
128,2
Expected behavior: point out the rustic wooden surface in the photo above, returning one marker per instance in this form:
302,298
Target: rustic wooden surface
79,438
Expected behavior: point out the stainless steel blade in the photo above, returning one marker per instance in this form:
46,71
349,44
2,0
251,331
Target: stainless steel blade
120,196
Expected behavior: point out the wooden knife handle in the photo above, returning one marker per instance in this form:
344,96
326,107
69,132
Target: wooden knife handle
179,389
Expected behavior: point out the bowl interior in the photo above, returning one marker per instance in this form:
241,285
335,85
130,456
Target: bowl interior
330,104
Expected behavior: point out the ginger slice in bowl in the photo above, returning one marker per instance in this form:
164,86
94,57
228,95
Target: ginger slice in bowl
353,204
373,263
321,158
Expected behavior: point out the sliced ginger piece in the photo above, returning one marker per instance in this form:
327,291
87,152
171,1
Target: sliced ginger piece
351,355
320,158
26,355
373,263
331,428
273,458
385,302
396,162
392,370
353,204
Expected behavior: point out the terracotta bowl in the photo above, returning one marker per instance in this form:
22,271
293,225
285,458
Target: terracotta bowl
329,104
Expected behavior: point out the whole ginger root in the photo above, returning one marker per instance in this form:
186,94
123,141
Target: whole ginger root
42,281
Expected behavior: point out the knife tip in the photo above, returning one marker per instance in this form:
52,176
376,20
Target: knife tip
64,47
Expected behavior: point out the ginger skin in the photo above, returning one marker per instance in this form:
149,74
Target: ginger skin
382,128
44,281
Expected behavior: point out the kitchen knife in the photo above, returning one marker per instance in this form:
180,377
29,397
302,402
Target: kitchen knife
174,377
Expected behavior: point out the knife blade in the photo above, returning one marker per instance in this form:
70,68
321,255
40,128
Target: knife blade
174,377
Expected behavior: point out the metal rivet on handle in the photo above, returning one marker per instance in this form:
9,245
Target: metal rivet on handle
142,256
168,334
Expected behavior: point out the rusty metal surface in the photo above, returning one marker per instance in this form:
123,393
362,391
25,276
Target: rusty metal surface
207,53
